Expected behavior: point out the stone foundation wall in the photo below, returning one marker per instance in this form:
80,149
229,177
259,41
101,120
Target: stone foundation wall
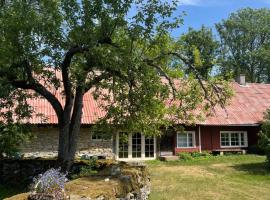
45,144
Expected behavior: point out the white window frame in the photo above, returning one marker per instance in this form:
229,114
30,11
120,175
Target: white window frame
193,139
230,132
130,148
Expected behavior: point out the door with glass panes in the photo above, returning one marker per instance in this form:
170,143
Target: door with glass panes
135,146
123,140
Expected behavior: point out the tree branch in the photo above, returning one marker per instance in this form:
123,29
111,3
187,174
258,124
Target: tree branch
40,89
108,74
67,61
163,73
65,68
197,75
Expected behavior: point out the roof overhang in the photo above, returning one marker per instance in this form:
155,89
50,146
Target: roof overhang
254,125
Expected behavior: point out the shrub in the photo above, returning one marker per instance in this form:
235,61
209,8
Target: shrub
185,156
193,155
89,169
206,154
264,137
85,171
92,163
256,149
11,137
52,182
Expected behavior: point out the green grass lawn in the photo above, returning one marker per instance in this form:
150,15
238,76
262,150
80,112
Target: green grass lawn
233,177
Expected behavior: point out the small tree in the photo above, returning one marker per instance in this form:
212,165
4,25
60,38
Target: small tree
264,139
117,49
11,137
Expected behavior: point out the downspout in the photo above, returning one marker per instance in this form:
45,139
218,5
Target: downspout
200,145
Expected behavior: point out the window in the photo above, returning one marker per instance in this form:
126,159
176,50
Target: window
136,145
149,147
99,135
123,145
186,139
233,139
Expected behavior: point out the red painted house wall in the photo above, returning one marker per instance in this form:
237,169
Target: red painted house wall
210,137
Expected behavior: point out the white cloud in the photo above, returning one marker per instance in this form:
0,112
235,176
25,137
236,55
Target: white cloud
207,3
189,2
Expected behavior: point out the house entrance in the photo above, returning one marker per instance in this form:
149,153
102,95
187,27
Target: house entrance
167,144
135,146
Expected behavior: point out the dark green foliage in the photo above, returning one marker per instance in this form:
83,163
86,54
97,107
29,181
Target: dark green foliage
11,137
201,45
256,149
127,59
194,155
264,140
245,44
8,191
206,154
185,156
91,167
197,154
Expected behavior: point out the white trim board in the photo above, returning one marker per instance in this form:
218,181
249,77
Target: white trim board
193,139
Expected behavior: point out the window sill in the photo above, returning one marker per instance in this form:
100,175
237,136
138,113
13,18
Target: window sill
192,147
233,147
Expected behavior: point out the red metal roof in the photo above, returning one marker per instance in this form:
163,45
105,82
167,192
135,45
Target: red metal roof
246,107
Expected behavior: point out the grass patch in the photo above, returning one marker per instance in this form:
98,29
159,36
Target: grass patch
218,177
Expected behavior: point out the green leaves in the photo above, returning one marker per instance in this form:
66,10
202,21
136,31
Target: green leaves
119,50
11,137
245,39
264,136
201,48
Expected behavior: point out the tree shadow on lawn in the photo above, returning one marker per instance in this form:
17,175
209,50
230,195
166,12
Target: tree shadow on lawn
253,168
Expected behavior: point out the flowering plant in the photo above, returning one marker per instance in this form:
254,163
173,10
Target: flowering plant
52,182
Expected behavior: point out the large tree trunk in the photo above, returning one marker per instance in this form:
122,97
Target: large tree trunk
69,132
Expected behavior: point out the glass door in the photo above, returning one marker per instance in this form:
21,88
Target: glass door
149,147
136,145
123,145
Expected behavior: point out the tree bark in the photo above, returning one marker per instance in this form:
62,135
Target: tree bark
69,132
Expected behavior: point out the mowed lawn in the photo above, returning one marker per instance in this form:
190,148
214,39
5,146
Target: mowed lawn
221,177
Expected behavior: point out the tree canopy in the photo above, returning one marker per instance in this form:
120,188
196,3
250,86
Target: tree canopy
119,50
245,40
201,45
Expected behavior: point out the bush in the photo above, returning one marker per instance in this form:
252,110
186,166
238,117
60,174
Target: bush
206,154
264,137
185,156
52,182
85,171
193,155
11,137
256,149
89,169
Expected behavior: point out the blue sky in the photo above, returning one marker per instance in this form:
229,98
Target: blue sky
209,12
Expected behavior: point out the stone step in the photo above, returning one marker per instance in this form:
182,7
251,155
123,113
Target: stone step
168,158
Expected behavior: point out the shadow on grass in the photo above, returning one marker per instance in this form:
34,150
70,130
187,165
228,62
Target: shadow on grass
253,168
6,191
